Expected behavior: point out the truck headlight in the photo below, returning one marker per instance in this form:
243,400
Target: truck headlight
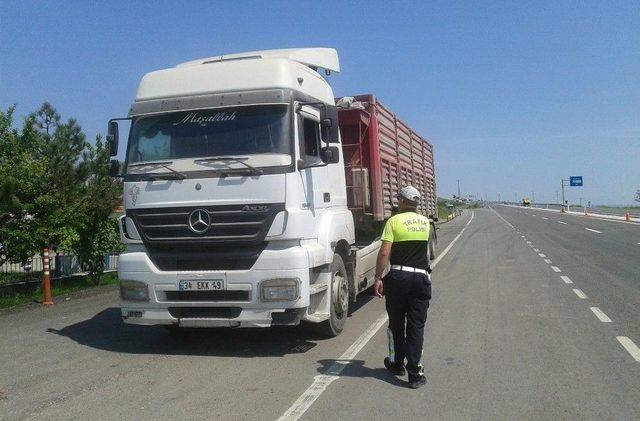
281,289
134,291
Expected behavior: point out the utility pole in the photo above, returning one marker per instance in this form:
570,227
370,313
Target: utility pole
562,180
533,197
557,197
458,188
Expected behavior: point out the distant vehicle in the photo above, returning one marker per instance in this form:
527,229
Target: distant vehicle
246,204
526,202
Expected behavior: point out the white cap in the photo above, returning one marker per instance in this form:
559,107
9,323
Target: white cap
410,193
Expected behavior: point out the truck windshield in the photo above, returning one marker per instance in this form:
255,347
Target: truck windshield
233,131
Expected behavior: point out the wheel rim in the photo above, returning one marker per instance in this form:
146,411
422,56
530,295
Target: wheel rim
340,293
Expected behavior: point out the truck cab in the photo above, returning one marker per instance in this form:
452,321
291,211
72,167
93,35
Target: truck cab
234,193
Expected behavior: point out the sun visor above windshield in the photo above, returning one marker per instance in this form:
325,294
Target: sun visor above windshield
267,96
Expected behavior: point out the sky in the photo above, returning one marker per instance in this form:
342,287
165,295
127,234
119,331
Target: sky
514,96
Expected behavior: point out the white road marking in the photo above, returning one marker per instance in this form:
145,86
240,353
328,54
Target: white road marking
536,250
639,244
547,261
630,347
589,229
542,255
566,279
320,382
600,315
556,269
560,222
507,222
544,218
580,294
533,214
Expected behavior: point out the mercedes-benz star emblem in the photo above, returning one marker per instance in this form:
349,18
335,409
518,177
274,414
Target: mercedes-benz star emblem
199,221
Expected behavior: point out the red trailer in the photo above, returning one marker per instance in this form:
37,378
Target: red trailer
382,154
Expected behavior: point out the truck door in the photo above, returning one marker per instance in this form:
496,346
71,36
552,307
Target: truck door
314,173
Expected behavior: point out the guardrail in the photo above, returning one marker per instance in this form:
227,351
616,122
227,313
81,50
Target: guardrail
456,212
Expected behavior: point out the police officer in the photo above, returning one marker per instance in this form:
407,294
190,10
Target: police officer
407,286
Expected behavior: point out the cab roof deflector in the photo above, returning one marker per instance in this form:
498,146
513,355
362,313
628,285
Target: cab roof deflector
325,58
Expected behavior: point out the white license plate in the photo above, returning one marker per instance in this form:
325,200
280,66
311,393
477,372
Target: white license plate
213,285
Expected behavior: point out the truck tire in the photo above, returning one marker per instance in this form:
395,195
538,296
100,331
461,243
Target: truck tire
339,300
433,241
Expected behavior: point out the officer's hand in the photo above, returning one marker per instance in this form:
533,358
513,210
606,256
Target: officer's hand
378,288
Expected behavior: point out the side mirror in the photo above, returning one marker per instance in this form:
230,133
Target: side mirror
114,168
329,124
330,154
112,138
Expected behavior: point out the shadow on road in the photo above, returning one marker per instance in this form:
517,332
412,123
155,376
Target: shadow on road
356,368
106,331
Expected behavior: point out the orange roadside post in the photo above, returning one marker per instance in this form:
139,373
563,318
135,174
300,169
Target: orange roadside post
627,216
46,281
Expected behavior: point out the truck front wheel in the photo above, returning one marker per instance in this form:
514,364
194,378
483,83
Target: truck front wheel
339,299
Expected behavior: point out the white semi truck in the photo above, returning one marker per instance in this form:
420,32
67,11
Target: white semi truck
235,196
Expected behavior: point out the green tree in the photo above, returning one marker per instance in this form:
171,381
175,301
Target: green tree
54,190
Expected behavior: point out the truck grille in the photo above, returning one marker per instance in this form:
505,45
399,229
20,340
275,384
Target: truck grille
205,312
205,257
225,224
211,296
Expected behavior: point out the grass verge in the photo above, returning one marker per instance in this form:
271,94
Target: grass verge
57,288
443,210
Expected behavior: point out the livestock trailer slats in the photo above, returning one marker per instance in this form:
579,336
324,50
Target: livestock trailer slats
383,154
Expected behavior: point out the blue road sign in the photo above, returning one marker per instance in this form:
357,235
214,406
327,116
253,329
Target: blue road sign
575,181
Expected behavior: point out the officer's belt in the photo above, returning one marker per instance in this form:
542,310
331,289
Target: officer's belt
408,269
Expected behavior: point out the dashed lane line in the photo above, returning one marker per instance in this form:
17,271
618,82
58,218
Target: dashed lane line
547,261
600,315
556,269
566,279
322,381
580,294
596,231
630,347
536,250
561,222
544,218
542,255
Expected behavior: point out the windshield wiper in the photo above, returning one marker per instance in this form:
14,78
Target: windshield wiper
253,169
163,164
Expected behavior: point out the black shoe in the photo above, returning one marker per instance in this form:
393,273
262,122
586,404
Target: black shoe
416,381
394,368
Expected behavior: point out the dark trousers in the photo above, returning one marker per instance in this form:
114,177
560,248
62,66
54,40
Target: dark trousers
407,296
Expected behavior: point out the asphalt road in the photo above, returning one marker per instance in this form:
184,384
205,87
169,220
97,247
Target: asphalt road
506,338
